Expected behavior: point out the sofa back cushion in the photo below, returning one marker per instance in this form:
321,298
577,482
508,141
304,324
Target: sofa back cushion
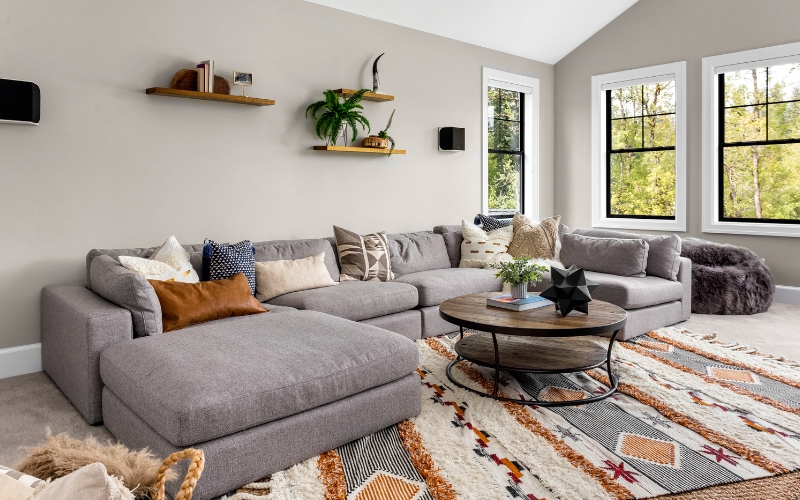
130,290
626,257
416,252
663,257
265,251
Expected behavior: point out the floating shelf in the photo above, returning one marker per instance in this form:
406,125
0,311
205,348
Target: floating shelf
208,96
368,96
348,149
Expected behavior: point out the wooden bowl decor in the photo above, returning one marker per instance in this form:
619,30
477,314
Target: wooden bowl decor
374,141
186,79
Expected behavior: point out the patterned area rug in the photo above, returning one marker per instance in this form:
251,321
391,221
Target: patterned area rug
693,419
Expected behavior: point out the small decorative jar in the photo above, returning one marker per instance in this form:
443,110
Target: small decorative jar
374,141
519,291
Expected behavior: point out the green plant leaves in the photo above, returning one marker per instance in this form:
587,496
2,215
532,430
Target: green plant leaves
520,270
329,125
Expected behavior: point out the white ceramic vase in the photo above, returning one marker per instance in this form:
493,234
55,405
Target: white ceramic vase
519,291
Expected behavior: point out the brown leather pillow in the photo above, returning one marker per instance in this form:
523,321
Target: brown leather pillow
186,304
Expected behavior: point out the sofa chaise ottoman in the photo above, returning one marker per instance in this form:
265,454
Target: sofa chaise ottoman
258,393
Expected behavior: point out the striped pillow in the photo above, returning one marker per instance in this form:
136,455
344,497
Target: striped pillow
15,485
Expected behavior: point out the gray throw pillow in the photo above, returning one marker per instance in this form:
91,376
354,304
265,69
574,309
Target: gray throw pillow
605,255
129,290
662,259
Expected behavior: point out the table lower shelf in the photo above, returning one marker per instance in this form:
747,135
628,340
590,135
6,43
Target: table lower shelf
533,354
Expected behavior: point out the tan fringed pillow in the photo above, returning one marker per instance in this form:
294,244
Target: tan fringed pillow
278,277
534,240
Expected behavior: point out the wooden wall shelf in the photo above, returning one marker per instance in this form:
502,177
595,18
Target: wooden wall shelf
348,149
208,96
368,96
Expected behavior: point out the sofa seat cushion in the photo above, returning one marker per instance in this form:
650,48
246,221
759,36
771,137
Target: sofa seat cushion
441,284
214,379
353,300
627,292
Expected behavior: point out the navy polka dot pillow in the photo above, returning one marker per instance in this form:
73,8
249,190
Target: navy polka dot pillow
222,261
490,223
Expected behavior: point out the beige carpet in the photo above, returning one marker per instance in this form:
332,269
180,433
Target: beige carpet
30,404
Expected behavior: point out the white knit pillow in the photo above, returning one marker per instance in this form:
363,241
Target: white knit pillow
480,248
169,263
278,277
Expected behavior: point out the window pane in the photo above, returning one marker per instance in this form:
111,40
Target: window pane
659,131
643,183
784,83
626,102
762,182
626,134
504,102
659,97
504,135
784,121
746,87
504,182
746,124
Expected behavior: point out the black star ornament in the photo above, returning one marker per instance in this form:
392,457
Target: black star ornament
570,290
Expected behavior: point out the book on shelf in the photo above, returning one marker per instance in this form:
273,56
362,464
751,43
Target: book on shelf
205,76
509,302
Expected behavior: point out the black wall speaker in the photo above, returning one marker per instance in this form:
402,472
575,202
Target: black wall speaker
451,139
19,102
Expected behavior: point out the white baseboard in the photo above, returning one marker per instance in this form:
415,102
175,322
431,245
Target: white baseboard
787,294
20,360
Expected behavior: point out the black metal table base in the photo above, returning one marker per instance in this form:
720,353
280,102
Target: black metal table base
535,402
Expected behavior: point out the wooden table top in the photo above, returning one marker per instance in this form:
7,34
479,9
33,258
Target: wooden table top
471,311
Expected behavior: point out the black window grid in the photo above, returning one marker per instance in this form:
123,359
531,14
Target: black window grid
609,152
722,145
519,152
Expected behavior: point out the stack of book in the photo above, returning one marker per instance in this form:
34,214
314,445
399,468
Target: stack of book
509,302
205,76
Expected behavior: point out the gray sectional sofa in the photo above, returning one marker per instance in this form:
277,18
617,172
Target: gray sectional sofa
324,367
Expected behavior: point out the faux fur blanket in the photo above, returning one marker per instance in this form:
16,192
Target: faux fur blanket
727,279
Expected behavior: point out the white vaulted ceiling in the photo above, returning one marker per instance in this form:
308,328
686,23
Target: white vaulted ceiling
544,30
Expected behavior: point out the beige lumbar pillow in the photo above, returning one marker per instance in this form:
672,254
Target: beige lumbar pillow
536,240
481,249
91,482
278,277
169,263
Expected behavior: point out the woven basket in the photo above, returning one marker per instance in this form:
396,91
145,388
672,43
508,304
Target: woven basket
374,141
192,476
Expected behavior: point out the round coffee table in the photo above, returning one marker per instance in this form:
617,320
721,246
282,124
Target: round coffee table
533,341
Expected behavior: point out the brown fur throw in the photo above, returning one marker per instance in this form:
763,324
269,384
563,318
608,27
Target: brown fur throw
62,455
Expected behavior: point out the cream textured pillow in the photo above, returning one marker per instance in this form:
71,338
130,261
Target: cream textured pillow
91,482
480,248
535,240
277,277
169,263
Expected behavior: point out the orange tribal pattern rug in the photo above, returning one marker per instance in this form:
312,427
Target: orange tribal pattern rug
693,418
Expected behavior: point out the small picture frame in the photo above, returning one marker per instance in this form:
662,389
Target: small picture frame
242,79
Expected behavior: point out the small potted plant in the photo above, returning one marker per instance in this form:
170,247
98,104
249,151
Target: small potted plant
519,273
338,116
382,140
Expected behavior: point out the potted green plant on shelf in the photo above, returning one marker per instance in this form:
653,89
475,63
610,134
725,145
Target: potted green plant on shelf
382,139
338,116
519,273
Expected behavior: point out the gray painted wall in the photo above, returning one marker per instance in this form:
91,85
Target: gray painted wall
657,32
111,167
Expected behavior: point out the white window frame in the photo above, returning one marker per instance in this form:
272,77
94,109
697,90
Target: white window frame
601,83
530,87
713,66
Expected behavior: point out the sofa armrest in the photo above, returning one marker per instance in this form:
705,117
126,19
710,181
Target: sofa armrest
77,325
685,277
